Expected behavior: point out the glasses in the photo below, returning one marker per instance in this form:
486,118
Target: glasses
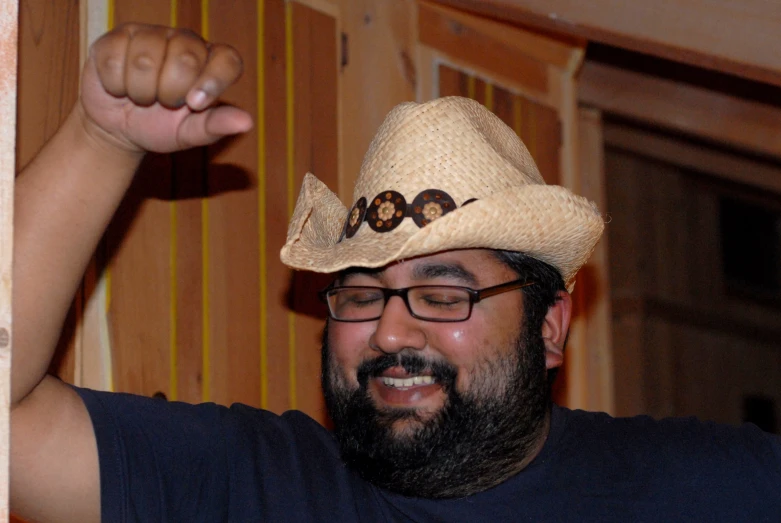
440,303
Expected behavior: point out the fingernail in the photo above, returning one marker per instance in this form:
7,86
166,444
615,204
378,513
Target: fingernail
197,99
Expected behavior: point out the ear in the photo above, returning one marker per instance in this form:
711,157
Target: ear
555,328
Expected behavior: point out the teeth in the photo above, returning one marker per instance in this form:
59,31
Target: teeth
407,382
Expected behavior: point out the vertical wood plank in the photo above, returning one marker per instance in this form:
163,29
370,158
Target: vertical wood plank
315,149
479,90
278,276
48,71
592,376
139,243
542,135
188,187
381,71
48,87
8,77
233,227
503,105
452,82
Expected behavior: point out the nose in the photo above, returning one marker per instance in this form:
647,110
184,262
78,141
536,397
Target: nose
397,329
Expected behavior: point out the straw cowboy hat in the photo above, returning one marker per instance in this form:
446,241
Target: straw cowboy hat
442,175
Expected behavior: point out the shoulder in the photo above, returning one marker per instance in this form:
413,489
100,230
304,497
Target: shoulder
205,424
292,428
674,443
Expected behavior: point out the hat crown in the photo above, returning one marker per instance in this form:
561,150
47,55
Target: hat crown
416,193
450,144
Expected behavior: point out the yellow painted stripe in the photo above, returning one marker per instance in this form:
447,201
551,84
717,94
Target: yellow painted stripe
110,14
205,19
290,77
173,313
205,306
174,13
262,269
489,96
470,87
107,276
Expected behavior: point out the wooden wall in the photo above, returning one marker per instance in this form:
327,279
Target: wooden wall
187,297
684,344
48,87
199,306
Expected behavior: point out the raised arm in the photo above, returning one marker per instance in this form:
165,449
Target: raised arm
144,88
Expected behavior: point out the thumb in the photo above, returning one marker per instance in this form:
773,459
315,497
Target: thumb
209,126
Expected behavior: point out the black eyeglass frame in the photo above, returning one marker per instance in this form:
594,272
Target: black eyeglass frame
475,296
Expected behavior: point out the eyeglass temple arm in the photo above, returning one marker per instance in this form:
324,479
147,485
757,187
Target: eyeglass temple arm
498,289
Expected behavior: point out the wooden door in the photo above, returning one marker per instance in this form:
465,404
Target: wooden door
529,81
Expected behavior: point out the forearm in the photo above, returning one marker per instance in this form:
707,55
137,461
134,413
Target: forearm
63,201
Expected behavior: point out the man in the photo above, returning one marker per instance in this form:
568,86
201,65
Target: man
449,313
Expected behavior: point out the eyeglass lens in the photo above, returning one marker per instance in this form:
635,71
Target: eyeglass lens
432,302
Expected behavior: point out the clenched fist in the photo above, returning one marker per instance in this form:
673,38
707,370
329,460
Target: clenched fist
153,88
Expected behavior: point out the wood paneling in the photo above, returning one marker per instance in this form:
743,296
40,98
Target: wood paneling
381,71
277,385
199,302
473,45
48,71
189,184
682,107
537,125
315,150
233,236
138,243
765,175
593,387
48,81
735,36
683,344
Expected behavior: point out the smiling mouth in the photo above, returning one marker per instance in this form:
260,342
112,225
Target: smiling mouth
408,382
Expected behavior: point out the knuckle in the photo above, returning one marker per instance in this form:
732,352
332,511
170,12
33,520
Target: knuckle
144,62
111,65
188,61
234,58
230,57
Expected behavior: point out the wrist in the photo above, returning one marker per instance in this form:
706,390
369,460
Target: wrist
100,142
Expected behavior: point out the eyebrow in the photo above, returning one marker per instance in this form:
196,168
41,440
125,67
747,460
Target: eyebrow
448,270
427,271
346,273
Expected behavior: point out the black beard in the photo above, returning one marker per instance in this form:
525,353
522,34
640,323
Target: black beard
477,440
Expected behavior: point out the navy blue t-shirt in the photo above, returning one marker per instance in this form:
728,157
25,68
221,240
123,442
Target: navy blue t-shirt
163,461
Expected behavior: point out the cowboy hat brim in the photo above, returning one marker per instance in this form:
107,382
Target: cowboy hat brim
546,222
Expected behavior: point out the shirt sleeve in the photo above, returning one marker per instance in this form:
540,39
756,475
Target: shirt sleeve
159,461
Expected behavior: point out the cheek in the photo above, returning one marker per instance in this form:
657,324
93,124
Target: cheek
465,345
470,345
349,344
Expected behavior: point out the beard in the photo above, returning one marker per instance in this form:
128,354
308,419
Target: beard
479,438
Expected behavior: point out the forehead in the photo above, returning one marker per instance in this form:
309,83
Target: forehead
469,266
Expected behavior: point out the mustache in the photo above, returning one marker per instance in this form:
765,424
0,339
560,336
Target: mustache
443,372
